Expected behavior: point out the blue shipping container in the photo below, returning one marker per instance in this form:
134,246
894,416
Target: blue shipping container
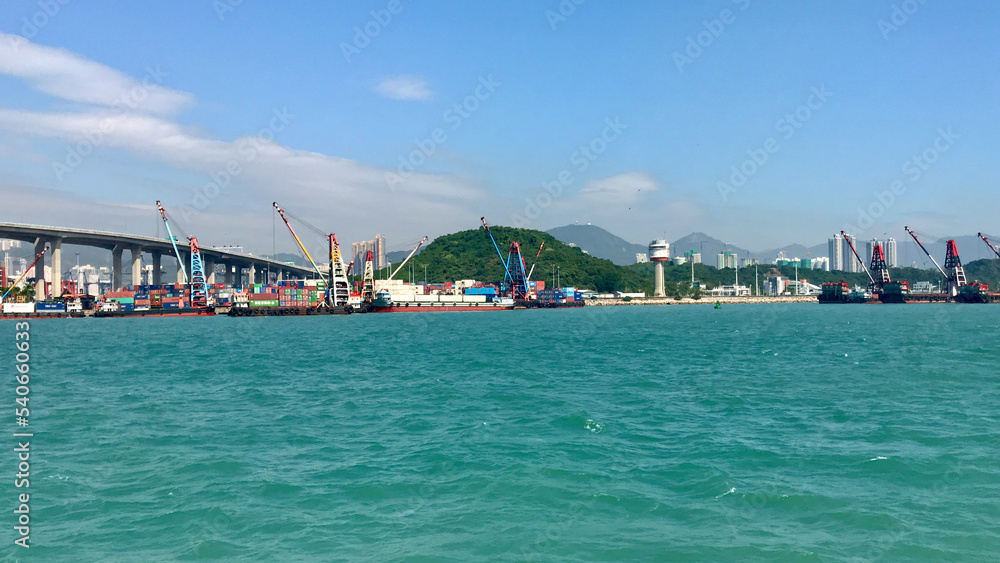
127,306
171,306
50,307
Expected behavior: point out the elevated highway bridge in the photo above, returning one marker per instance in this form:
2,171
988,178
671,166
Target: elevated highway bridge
233,263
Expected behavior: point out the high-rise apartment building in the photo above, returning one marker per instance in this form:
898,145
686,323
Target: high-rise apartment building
360,251
836,247
728,259
891,258
692,257
849,260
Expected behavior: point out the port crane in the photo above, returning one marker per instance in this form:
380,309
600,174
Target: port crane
879,268
24,273
952,262
515,276
338,290
989,244
173,241
199,286
368,281
875,286
282,212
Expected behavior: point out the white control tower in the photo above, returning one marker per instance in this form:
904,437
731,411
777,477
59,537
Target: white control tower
659,252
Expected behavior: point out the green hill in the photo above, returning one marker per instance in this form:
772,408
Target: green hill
470,255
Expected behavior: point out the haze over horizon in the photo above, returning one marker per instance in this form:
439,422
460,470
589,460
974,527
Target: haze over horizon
762,125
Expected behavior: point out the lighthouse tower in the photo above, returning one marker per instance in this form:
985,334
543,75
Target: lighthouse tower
659,252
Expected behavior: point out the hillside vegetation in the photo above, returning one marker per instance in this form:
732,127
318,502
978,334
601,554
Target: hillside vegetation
470,255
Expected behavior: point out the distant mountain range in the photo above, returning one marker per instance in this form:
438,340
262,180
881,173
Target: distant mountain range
603,244
599,243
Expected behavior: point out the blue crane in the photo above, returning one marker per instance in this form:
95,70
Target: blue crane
515,276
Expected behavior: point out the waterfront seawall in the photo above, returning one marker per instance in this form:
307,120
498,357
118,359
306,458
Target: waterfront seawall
702,301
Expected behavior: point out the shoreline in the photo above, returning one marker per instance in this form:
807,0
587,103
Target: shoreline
702,301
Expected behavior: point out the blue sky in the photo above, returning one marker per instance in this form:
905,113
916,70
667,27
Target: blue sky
267,86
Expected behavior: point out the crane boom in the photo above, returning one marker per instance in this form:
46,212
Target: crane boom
299,241
989,244
24,273
403,263
914,235
173,241
506,272
865,268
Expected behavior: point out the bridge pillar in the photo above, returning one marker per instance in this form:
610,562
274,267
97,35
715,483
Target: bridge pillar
209,272
116,268
136,253
183,258
39,271
252,274
281,275
229,274
157,263
57,267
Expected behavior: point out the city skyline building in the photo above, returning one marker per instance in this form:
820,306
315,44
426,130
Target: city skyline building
891,256
836,251
360,251
728,259
850,262
693,256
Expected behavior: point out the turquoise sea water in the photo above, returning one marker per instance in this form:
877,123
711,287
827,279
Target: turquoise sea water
750,433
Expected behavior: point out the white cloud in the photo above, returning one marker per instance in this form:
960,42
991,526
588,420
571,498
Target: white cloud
350,197
69,76
404,88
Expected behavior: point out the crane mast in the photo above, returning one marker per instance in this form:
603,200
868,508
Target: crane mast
199,286
368,283
173,241
338,291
